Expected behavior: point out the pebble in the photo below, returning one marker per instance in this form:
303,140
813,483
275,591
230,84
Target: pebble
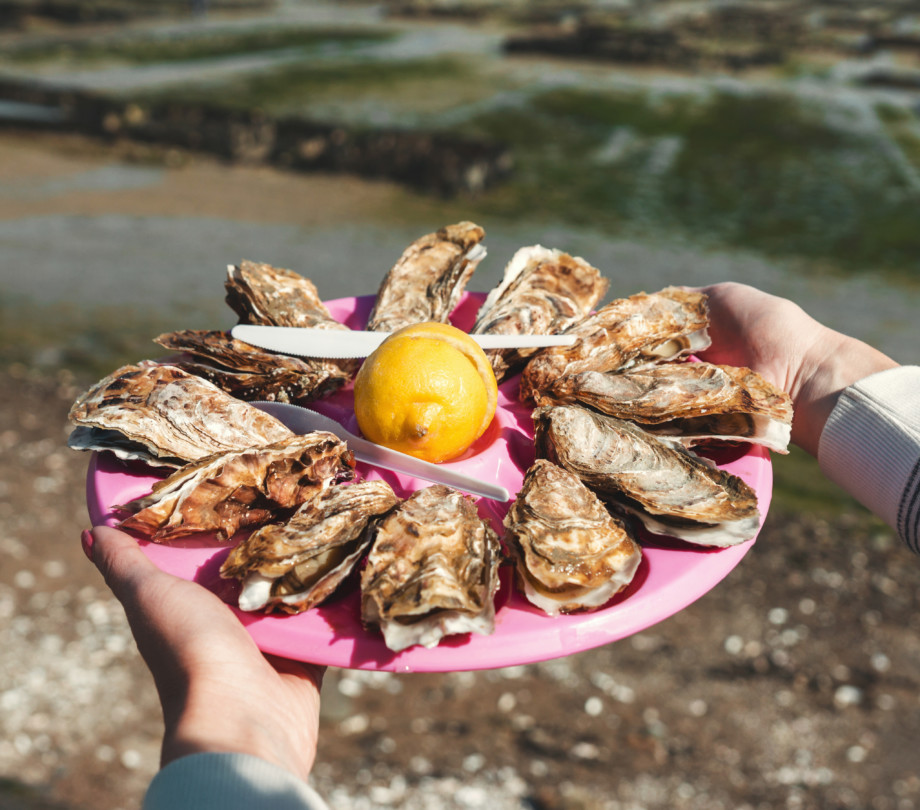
24,579
131,759
54,569
847,695
585,750
473,763
420,765
880,662
357,724
856,753
886,703
778,616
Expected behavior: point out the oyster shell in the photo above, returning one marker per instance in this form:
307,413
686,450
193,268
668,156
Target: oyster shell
294,566
432,571
274,296
250,373
427,281
665,486
691,402
628,333
240,488
543,292
164,416
570,553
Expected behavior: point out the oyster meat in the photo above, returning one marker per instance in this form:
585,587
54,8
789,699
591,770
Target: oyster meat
691,402
672,491
633,332
432,571
296,565
251,373
164,416
543,291
570,553
237,489
427,281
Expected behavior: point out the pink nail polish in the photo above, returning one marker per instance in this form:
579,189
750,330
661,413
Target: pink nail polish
86,538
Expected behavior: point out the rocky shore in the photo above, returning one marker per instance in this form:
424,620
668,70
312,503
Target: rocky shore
432,162
793,684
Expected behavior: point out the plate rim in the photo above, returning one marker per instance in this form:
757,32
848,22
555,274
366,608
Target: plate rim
523,634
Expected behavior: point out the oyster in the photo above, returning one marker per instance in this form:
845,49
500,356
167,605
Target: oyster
251,373
427,281
633,332
275,296
165,416
543,291
432,571
570,553
261,294
692,402
295,565
669,489
240,488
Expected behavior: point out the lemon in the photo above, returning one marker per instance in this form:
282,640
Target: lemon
428,391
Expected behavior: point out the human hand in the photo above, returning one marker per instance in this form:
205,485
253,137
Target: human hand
778,339
218,691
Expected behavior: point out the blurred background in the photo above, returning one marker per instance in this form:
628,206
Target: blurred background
145,145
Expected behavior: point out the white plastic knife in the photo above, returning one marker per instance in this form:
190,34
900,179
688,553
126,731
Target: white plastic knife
342,343
304,420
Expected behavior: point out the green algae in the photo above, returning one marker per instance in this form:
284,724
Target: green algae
763,172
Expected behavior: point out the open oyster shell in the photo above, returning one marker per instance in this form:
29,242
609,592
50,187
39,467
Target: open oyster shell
432,571
274,296
543,291
665,486
570,553
691,402
251,373
240,488
294,566
164,416
628,333
427,281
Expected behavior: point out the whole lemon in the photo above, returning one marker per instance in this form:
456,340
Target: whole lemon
428,391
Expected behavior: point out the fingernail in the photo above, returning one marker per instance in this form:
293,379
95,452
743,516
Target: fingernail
86,539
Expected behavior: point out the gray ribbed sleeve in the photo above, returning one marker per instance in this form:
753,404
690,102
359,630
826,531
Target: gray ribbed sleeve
212,781
871,447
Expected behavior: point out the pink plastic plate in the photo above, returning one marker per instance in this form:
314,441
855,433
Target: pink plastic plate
671,576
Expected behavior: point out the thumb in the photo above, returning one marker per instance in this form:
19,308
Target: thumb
119,559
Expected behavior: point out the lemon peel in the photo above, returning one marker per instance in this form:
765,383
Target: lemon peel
428,391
